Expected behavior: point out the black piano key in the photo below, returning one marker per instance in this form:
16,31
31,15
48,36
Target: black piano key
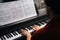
2,38
43,23
26,29
7,36
46,20
37,24
32,24
14,33
19,31
23,27
11,35
40,24
29,27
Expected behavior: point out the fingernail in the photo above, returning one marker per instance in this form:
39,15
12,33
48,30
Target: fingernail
34,28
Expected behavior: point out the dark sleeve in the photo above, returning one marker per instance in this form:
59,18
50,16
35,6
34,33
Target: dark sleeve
49,2
38,35
49,32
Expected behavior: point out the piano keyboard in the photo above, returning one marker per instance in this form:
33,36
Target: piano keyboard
16,34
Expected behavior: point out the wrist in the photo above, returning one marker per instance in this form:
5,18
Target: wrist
28,36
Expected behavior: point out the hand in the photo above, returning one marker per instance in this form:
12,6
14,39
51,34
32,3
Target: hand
36,27
26,33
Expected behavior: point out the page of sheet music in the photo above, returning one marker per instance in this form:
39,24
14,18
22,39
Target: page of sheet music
16,10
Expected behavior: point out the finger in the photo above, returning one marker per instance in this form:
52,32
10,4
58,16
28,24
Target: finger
36,25
22,30
33,28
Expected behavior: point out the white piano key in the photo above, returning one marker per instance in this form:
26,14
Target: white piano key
47,20
27,29
14,37
0,39
31,30
5,37
12,34
31,26
43,25
40,24
44,22
9,35
17,32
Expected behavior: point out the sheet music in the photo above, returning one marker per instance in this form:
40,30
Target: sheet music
16,10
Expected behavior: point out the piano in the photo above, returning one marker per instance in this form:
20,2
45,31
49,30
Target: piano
12,31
